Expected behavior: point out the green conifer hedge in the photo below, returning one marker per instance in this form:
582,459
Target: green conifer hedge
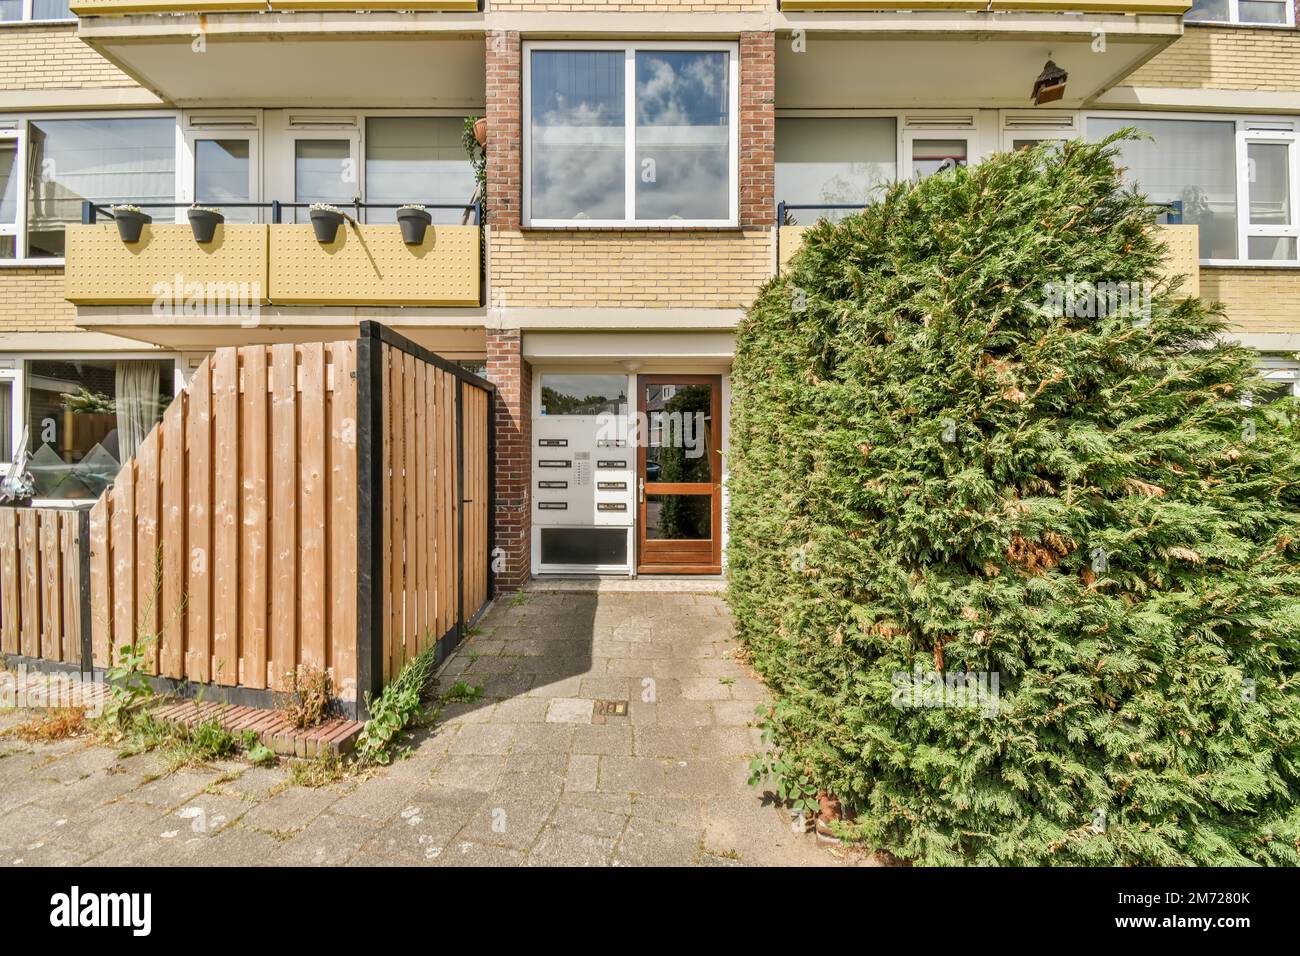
945,461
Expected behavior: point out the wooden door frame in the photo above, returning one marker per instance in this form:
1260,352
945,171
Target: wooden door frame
712,554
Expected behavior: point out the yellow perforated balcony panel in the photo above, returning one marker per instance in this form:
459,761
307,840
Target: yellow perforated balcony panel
370,265
109,8
1184,257
101,269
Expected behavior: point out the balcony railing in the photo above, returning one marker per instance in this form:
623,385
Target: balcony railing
111,8
278,263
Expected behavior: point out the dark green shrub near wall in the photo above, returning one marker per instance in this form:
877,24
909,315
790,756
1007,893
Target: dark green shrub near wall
933,468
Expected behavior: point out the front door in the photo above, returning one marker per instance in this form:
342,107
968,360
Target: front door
679,474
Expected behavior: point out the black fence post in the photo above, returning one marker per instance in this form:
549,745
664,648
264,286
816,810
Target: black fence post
491,493
83,582
370,510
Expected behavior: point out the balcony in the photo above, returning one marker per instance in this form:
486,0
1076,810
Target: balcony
1183,258
246,267
937,54
192,53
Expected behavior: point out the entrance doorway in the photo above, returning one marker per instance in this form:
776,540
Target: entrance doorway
679,474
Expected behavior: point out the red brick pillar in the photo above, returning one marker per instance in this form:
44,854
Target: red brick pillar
504,129
757,130
513,378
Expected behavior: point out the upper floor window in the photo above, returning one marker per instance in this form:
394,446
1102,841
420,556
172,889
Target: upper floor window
17,10
630,134
1266,12
1238,184
124,159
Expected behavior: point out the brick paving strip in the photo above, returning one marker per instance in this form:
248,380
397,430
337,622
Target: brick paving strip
523,775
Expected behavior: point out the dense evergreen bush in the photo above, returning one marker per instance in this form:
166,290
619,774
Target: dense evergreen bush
935,467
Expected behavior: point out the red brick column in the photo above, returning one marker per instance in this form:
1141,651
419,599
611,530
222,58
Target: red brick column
757,129
504,130
513,378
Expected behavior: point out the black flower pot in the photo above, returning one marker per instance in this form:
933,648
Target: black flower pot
325,223
413,222
129,223
203,223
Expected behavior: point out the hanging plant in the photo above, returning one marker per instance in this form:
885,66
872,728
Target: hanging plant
325,221
204,221
414,220
130,221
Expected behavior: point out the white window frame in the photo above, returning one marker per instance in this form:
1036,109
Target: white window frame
1234,17
629,220
17,135
1278,369
220,124
1268,127
1246,230
16,377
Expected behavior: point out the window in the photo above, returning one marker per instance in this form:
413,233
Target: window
640,133
131,159
84,417
223,174
584,394
1270,194
1282,378
835,160
416,159
1188,161
17,10
9,175
1258,12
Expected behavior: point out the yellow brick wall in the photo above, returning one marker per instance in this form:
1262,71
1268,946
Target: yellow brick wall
1257,300
628,269
1229,58
631,6
31,300
52,58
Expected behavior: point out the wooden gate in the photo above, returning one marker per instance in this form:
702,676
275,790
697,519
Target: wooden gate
325,504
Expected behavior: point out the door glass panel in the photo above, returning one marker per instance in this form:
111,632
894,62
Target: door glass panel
1270,183
1215,10
51,10
11,10
584,394
930,156
222,175
679,421
838,160
1271,248
8,182
1262,11
678,517
322,172
6,420
416,159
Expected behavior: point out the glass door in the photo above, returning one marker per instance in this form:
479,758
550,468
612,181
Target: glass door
679,474
223,171
326,169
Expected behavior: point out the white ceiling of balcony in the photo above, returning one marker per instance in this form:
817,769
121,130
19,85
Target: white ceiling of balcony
843,71
323,68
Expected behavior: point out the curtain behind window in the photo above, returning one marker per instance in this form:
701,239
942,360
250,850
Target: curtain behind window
137,403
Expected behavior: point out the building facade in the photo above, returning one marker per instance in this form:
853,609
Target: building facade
648,166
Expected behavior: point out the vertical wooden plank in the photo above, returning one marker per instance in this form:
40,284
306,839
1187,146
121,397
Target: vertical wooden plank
171,658
10,609
254,573
447,486
70,586
51,574
386,523
398,365
148,574
312,620
418,528
198,532
123,558
429,504
225,517
30,598
101,581
343,517
284,509
453,490
411,633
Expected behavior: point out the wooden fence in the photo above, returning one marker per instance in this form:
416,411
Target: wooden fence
240,542
43,606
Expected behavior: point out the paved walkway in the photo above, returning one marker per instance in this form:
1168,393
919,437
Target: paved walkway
530,773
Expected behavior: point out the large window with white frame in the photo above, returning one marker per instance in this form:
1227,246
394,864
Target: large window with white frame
1246,12
16,11
1236,178
619,134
